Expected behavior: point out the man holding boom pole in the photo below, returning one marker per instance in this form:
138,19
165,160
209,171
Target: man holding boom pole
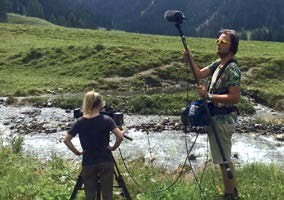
223,92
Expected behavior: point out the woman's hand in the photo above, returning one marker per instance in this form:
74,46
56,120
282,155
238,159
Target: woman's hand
79,153
67,141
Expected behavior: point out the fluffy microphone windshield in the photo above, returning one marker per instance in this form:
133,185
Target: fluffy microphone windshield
174,16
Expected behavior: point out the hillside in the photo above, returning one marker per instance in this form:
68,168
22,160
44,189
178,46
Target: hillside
255,19
39,59
19,19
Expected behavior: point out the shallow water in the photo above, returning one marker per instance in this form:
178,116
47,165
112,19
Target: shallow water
164,149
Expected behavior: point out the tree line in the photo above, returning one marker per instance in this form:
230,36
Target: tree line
254,19
4,6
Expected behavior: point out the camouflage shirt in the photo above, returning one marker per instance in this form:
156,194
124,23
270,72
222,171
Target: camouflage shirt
230,77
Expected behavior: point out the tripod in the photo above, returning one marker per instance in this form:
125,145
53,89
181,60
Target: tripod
118,178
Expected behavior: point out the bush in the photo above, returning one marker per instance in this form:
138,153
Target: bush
99,47
245,107
32,55
16,143
11,100
19,93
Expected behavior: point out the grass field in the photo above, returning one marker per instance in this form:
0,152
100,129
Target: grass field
27,178
36,58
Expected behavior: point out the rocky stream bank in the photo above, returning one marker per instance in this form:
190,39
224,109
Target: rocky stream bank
43,129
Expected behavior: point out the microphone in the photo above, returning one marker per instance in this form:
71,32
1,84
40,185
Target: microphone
174,16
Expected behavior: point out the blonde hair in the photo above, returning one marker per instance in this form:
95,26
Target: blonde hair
91,101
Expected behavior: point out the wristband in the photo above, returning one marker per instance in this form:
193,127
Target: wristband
210,96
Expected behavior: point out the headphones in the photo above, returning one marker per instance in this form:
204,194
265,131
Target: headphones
234,43
97,102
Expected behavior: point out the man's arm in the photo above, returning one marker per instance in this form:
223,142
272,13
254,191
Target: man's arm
232,97
67,141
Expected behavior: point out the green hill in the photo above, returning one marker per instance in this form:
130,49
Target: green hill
19,19
36,59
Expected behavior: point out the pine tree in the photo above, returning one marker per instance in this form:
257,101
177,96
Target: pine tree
4,7
35,9
244,35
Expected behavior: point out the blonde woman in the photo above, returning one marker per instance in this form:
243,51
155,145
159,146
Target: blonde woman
94,130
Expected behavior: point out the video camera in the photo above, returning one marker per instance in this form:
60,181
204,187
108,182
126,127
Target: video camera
107,110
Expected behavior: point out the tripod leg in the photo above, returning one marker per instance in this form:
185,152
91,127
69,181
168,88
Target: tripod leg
78,186
98,189
120,181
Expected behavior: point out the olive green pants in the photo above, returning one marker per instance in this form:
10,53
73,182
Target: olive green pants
101,174
225,132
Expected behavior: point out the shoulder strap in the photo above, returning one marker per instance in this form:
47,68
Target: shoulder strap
216,65
221,72
209,80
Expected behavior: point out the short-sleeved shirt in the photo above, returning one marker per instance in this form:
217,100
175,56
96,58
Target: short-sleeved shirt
94,136
230,77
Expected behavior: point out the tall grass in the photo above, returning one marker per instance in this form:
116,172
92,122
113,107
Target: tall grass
27,178
15,143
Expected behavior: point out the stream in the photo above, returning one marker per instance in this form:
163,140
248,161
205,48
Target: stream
44,128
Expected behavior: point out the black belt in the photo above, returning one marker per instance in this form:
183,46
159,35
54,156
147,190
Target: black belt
223,110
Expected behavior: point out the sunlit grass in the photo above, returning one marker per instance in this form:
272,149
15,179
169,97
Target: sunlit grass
27,178
20,19
35,59
18,36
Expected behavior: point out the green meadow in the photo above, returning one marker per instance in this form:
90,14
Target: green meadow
37,57
26,178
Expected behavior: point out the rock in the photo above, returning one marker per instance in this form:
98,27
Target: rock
280,137
192,157
51,91
236,155
259,126
280,105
